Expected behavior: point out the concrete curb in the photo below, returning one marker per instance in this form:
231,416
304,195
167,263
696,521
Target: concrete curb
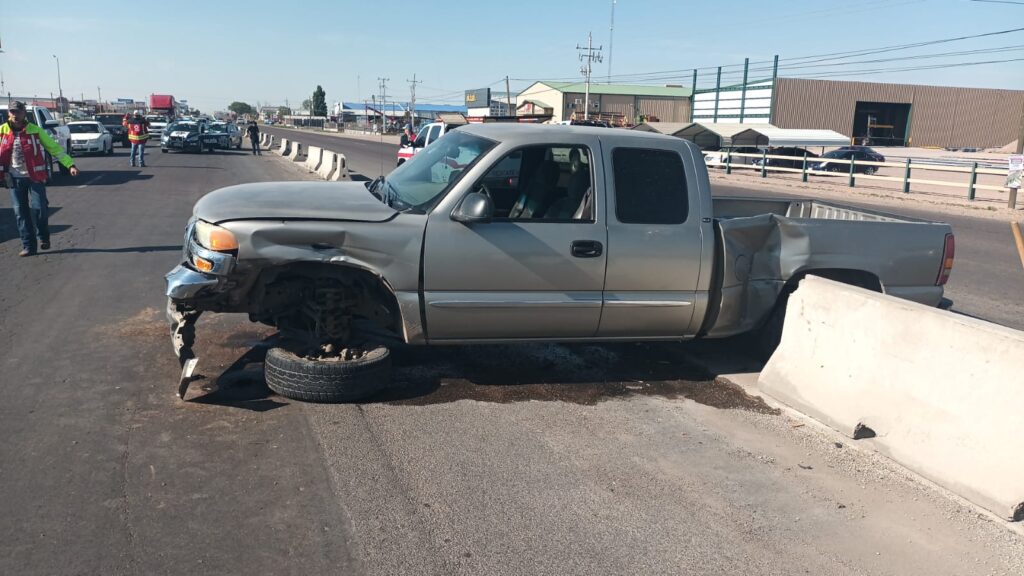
937,392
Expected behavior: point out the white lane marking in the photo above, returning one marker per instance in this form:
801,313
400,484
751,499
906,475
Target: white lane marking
91,181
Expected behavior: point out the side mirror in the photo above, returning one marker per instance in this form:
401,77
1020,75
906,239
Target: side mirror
51,124
475,208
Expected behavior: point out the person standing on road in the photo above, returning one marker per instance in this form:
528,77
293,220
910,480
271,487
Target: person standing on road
138,134
23,164
254,137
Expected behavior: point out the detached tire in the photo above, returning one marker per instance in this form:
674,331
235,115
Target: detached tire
293,376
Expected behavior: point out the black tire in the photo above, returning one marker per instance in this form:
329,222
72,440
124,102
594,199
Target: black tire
110,149
163,150
299,378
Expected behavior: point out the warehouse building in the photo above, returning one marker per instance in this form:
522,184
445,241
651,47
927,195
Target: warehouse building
621,105
870,112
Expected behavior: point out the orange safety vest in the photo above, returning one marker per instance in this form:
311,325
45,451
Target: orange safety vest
138,131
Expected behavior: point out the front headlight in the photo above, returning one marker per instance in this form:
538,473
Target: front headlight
213,237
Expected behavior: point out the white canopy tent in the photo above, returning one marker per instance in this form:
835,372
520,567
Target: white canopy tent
732,135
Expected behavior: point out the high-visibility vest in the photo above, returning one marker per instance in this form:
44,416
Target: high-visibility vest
138,131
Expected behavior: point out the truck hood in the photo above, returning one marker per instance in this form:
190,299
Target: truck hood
346,201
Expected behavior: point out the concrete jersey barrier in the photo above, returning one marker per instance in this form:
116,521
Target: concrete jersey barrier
938,392
327,164
295,152
340,170
314,155
285,147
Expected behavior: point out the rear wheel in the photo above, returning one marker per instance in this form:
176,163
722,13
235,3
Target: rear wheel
295,376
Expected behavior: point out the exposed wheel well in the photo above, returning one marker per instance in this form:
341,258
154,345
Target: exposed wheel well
860,278
326,302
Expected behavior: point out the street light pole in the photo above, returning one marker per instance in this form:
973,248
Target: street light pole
60,89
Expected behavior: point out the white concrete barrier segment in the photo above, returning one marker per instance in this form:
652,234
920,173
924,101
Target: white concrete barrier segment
940,392
327,165
270,142
341,170
295,152
285,147
313,156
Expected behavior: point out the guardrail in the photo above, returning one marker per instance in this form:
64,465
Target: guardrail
907,180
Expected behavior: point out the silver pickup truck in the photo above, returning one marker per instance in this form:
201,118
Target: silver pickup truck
510,233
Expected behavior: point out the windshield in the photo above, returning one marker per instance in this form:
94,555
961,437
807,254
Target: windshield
183,126
427,175
84,128
218,127
834,154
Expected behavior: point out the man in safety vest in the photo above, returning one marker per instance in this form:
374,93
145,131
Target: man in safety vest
138,133
23,163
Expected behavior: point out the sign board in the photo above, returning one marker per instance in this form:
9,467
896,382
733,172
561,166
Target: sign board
1016,169
480,98
125,100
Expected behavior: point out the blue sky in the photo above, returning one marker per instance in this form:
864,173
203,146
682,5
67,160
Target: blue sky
212,53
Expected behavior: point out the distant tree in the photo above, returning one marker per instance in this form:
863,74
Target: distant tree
319,107
307,104
283,111
241,108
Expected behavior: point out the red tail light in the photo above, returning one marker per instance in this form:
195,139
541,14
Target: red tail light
948,251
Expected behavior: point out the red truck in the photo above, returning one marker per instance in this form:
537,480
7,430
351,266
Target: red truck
162,104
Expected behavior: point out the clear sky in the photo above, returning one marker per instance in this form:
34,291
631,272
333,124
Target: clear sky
217,51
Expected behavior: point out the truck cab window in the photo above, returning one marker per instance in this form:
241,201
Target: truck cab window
545,183
650,186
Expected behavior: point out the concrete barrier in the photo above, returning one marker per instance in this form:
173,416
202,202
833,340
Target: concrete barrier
938,392
285,147
327,164
314,154
295,152
340,169
264,141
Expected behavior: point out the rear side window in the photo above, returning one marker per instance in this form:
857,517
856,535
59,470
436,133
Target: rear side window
650,186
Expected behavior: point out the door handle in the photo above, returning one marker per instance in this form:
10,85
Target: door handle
586,248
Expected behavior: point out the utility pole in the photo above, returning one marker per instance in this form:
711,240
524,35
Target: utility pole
611,37
412,101
60,89
383,102
588,55
508,98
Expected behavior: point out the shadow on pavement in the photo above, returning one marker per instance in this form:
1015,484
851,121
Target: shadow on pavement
110,177
9,227
140,249
241,385
577,373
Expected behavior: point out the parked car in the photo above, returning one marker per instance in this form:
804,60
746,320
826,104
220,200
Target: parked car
90,137
41,116
187,135
796,163
518,233
855,153
227,134
717,158
112,122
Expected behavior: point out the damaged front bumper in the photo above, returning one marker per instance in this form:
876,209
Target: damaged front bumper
184,287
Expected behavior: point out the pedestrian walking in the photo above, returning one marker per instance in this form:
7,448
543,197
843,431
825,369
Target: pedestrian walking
138,134
23,165
254,137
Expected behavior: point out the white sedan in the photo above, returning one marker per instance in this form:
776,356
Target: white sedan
90,137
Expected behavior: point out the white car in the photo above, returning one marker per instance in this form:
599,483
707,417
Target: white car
90,137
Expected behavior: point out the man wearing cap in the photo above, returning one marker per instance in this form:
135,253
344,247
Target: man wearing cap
138,134
23,161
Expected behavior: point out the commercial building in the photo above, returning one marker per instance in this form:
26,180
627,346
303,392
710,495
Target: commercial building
870,112
620,104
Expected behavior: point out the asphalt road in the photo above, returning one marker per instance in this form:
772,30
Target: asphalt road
987,280
540,459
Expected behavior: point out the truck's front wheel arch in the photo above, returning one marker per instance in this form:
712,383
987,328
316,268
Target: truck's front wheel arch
346,297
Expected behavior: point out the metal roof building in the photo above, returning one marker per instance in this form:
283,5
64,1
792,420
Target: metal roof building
666,103
733,135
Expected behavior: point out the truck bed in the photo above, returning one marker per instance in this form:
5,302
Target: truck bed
761,244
